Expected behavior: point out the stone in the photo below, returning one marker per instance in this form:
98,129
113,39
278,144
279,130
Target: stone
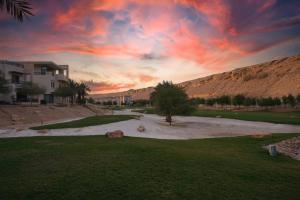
141,128
272,150
115,134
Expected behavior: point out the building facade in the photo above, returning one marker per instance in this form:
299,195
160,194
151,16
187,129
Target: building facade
47,75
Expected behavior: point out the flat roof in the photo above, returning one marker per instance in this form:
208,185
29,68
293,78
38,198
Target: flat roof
11,63
48,63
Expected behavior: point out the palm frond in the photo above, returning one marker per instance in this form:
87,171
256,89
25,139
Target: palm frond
19,9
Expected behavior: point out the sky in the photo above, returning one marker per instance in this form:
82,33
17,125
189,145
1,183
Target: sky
116,45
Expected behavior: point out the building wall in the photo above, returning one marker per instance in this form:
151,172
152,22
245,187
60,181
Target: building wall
55,76
7,68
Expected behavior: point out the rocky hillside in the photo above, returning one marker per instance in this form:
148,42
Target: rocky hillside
275,78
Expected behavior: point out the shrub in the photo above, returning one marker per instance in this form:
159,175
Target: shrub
238,100
141,103
249,101
223,100
197,101
210,101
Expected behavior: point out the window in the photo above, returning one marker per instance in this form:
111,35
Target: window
43,70
52,84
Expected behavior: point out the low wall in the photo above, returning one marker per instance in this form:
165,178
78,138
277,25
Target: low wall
23,115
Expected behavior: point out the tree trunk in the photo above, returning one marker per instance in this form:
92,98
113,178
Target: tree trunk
169,119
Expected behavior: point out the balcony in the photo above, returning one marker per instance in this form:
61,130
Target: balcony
60,77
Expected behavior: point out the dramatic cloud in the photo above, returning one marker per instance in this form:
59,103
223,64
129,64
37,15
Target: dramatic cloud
105,87
113,41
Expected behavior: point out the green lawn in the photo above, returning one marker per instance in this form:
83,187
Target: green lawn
263,116
274,117
89,121
94,167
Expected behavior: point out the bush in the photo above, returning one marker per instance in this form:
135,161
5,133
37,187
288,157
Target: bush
223,100
249,101
141,103
197,101
238,100
291,100
210,101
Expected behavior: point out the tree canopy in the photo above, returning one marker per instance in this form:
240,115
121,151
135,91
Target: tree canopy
170,99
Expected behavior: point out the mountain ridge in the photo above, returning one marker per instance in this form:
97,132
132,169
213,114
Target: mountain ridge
273,78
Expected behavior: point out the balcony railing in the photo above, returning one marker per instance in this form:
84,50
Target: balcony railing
60,77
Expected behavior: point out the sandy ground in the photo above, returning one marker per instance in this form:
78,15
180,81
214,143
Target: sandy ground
184,128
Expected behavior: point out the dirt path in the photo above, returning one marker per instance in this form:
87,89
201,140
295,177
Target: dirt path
184,128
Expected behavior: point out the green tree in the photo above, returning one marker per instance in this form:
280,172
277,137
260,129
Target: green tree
285,100
249,101
291,100
19,9
298,99
141,103
31,89
223,100
238,100
197,101
277,101
210,101
4,89
170,99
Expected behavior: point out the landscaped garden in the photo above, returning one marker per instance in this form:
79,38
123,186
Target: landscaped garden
263,116
94,167
88,121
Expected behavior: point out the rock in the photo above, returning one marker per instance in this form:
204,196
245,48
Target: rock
115,134
141,128
272,150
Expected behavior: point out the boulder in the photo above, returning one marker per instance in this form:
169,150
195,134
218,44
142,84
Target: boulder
115,134
141,128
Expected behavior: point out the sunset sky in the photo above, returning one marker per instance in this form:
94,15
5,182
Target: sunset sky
116,45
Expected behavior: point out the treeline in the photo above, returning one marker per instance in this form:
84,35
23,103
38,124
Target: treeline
241,100
137,103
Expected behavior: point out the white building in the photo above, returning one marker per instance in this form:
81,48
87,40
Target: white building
46,74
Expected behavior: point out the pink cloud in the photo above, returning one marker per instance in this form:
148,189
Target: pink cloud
106,87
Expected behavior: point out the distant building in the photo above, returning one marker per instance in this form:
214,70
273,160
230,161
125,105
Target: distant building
118,99
45,74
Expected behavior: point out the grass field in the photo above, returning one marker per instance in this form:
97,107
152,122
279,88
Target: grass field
274,117
94,167
263,116
89,121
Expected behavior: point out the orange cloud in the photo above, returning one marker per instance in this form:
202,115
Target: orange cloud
105,87
146,78
107,50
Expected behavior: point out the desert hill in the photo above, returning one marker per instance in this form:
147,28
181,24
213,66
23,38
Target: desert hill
274,78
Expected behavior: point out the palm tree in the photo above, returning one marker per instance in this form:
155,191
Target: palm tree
82,92
73,85
19,9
